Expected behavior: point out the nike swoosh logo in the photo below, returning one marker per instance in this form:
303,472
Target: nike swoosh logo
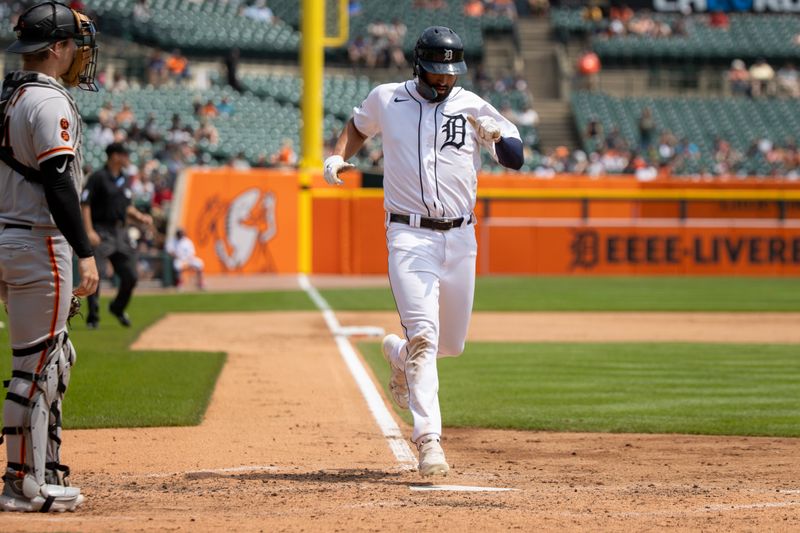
63,167
401,99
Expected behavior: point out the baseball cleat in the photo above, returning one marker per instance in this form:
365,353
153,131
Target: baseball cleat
398,384
431,457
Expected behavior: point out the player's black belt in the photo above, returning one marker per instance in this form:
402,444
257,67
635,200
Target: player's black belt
442,224
17,226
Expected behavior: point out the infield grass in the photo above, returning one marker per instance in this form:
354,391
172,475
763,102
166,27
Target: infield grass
712,389
559,293
113,386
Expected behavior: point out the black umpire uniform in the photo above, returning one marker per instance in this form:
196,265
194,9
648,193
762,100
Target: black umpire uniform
107,194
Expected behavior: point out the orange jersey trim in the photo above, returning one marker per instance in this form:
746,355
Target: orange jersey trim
55,150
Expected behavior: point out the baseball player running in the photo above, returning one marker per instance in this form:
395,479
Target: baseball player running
432,133
40,226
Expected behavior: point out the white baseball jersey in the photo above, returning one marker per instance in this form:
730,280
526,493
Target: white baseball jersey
42,122
431,154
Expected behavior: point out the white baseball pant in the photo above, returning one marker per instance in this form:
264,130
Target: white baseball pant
432,277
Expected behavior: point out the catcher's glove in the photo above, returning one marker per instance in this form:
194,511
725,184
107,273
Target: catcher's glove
74,309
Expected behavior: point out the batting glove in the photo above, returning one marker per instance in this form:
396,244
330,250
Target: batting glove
487,129
333,165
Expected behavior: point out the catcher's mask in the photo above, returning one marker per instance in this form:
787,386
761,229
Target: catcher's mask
51,22
439,50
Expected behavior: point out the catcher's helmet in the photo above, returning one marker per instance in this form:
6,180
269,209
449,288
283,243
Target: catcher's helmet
439,51
43,25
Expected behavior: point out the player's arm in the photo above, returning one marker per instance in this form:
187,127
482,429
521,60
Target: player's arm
509,152
349,142
507,148
62,199
138,217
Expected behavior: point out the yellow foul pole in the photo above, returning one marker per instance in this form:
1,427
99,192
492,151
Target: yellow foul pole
312,62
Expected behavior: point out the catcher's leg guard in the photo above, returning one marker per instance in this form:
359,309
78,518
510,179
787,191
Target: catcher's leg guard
32,414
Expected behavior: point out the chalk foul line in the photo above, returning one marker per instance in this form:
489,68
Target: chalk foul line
389,428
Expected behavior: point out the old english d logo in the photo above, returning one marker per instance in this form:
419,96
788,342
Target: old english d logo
454,129
448,55
585,249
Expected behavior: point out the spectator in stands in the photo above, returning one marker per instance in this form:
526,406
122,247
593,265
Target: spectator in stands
102,134
151,130
666,147
739,78
395,35
239,162
141,11
539,7
615,140
474,8
105,116
285,156
647,129
177,66
360,53
762,79
355,8
178,133
502,8
592,12
588,68
719,19
788,81
125,116
184,256
157,73
119,83
143,189
260,12
225,107
232,69
207,132
208,110
594,133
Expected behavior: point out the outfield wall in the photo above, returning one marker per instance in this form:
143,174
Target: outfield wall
247,222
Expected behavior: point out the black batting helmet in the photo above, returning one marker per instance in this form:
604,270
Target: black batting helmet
43,25
439,50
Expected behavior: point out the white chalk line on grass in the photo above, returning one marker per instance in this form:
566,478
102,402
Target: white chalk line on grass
375,403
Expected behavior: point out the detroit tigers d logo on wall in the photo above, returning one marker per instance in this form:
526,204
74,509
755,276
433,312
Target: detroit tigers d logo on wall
455,130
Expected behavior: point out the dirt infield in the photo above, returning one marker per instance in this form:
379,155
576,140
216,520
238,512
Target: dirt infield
288,443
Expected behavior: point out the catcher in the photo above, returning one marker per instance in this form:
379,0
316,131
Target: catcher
40,227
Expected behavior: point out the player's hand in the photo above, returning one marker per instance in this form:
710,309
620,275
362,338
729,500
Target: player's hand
87,269
333,165
94,238
487,129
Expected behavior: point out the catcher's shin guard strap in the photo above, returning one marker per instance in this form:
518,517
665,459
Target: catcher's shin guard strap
16,398
17,467
47,504
10,431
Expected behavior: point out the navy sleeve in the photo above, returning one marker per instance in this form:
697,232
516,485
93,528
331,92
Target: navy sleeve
509,152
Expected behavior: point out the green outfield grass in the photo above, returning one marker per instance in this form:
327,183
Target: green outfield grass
555,293
712,389
113,386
